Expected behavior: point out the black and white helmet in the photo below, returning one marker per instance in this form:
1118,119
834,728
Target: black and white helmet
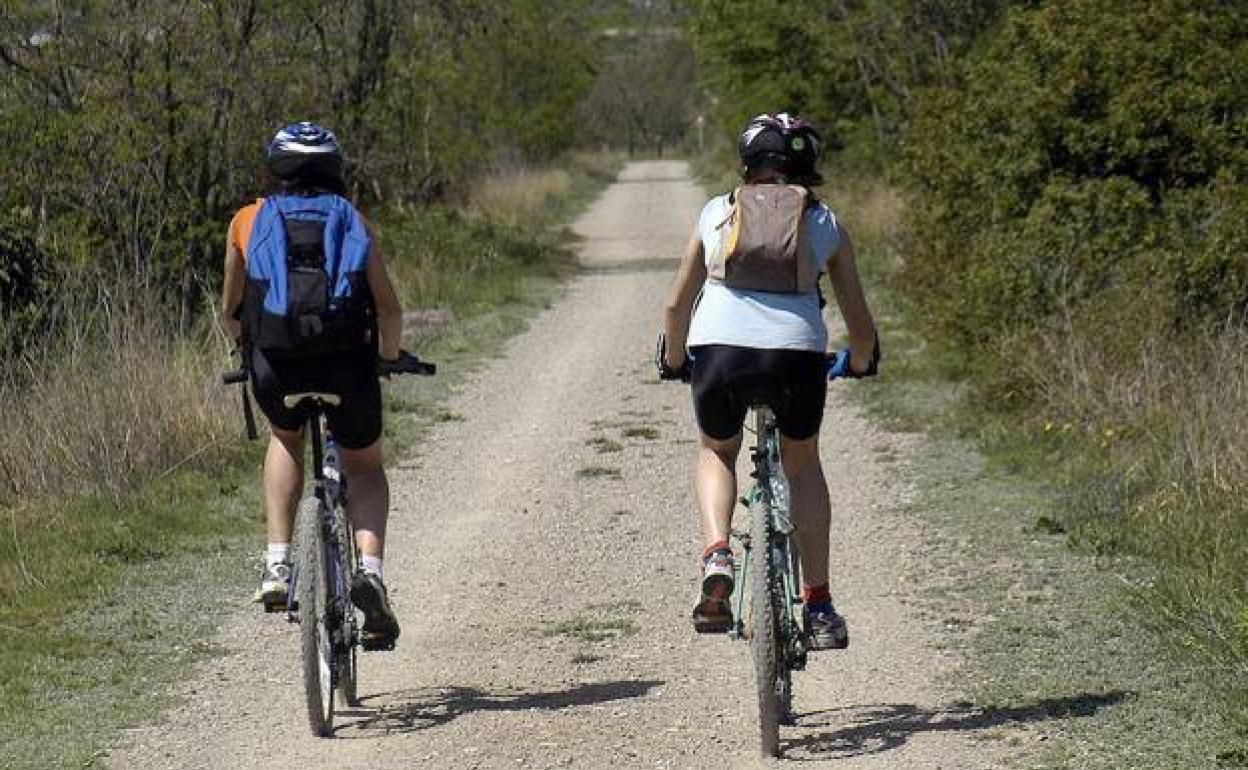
305,149
782,141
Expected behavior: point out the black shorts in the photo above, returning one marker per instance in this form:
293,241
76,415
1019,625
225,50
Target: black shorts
356,423
727,379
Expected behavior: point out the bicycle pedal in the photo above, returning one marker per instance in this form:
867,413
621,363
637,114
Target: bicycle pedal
377,645
713,628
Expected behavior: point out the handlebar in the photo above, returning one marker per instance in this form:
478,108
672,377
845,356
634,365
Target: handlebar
836,364
406,363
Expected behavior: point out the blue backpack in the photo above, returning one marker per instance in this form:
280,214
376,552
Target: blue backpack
307,290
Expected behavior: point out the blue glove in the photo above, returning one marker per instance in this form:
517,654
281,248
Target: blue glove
838,365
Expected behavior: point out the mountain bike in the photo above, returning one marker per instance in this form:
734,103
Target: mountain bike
767,579
767,586
326,560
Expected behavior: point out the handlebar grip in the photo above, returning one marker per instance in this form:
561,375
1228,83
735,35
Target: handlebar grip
406,363
234,377
413,366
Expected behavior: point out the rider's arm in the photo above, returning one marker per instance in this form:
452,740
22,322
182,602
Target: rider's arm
680,299
232,287
385,300
853,304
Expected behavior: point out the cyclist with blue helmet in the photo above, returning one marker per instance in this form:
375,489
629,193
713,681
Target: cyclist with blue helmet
306,163
733,343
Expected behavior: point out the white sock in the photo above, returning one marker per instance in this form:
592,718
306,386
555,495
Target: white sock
277,553
371,565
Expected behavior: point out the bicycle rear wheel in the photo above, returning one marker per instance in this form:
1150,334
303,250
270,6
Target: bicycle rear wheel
315,639
348,695
770,674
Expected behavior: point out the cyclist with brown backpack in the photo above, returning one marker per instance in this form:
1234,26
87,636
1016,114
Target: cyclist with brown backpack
744,318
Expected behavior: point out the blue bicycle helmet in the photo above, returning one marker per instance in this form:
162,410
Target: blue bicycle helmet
305,150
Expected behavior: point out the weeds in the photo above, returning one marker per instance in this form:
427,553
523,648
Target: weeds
515,195
587,629
605,445
1144,442
110,397
642,432
598,472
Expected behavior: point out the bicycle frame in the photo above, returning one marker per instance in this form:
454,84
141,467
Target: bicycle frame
329,487
772,489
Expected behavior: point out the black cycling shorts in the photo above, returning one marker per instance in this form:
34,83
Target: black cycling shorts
356,423
727,379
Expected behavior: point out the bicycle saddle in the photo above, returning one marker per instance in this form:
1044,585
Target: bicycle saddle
293,400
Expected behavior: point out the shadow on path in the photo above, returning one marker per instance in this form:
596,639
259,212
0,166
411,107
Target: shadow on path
405,711
851,732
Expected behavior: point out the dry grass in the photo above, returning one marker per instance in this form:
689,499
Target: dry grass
1155,448
1141,431
109,398
513,195
872,213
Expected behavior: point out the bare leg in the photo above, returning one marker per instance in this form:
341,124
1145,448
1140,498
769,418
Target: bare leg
715,485
368,501
283,482
812,511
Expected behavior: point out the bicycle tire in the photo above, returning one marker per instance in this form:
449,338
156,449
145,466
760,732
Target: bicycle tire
769,669
348,662
315,641
784,683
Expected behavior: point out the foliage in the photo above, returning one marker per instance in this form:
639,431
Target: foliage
133,130
644,97
1075,237
851,66
1066,176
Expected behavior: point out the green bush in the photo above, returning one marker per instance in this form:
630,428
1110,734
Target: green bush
1091,154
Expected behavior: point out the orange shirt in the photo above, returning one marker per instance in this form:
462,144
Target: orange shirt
241,224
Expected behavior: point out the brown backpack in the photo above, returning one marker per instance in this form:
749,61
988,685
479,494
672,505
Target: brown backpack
764,247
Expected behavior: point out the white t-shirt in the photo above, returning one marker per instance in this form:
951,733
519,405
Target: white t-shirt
760,319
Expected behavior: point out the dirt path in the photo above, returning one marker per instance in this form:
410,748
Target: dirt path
544,579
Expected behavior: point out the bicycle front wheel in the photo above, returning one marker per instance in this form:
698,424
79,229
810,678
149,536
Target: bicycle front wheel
315,639
769,670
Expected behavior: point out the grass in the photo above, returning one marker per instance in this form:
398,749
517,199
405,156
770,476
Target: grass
130,507
598,472
642,432
597,623
592,630
1046,635
604,445
515,195
88,652
1071,559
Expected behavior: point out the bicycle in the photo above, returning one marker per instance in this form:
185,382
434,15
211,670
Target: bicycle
767,579
767,584
326,560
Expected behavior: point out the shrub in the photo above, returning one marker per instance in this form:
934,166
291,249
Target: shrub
1091,152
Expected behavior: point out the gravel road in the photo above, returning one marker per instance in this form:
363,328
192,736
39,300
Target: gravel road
543,561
